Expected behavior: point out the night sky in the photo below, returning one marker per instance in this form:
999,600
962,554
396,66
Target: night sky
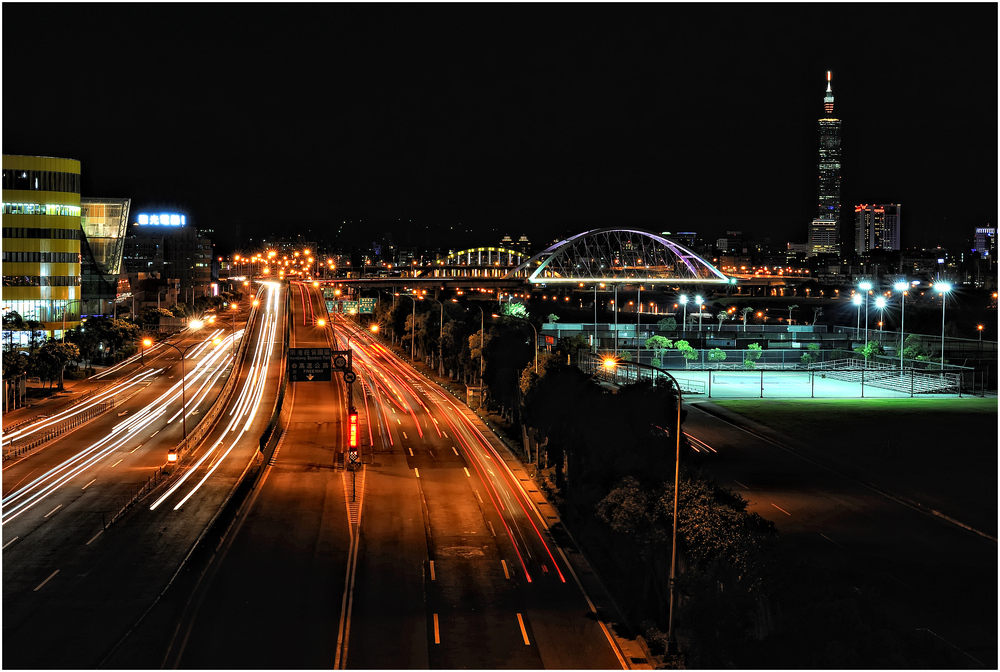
456,124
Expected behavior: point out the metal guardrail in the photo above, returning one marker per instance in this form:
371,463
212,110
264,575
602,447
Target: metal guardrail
625,373
17,447
205,425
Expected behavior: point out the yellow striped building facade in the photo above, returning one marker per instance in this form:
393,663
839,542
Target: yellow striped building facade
41,240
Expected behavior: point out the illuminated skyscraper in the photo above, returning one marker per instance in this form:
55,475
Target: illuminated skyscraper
828,188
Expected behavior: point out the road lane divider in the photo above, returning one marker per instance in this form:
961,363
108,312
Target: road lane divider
46,580
437,631
524,633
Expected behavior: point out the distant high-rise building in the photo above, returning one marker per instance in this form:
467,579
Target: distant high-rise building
828,188
986,241
876,227
823,237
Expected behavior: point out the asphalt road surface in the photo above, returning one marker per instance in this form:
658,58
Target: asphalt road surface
74,583
428,554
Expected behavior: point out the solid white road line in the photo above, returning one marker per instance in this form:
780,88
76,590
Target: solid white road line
47,580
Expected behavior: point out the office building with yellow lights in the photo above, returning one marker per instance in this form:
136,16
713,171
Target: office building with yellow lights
41,240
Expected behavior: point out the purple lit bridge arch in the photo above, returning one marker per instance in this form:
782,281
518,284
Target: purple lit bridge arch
616,255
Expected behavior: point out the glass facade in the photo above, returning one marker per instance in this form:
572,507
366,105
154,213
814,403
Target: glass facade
103,222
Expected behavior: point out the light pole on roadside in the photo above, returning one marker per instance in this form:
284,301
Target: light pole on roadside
147,342
65,309
684,302
482,347
413,329
440,339
611,363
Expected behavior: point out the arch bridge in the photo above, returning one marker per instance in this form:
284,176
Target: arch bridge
607,255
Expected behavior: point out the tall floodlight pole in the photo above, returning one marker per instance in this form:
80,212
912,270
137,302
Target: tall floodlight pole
684,302
857,302
880,304
944,288
638,319
865,286
698,300
595,317
901,288
616,320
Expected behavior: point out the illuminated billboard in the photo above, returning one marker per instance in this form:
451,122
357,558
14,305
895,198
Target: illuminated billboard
160,219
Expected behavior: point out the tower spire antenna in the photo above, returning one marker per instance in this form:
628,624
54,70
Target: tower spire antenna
828,99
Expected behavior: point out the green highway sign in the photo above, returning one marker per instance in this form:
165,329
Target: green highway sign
308,364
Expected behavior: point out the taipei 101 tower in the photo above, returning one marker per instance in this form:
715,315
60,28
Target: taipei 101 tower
824,234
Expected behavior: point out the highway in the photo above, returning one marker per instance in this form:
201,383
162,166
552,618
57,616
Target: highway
430,554
79,566
931,573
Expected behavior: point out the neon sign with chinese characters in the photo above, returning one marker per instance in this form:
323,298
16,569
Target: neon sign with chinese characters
161,219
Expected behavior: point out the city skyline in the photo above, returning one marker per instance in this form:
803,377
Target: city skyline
486,122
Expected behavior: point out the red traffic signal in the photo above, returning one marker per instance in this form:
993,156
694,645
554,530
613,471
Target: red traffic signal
353,431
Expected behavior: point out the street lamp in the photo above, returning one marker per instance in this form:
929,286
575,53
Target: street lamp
147,342
980,328
671,640
684,302
440,339
698,300
65,308
901,287
535,331
482,347
413,330
944,288
880,304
